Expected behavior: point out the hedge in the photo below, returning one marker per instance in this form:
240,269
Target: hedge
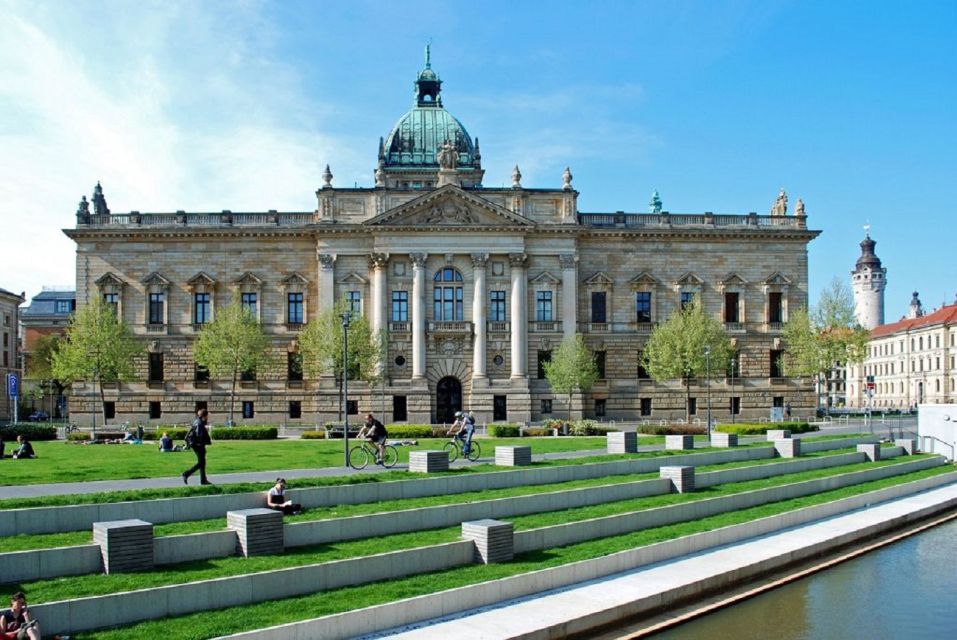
29,431
537,432
175,433
503,430
409,430
313,435
245,433
671,429
589,428
759,428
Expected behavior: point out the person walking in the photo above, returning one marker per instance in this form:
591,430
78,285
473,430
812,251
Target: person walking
197,438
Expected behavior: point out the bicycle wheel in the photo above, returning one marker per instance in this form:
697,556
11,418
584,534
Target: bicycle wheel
358,457
391,457
453,450
474,451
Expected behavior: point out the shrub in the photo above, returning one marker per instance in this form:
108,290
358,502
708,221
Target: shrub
409,430
759,428
313,435
440,432
589,428
537,432
334,429
671,429
78,436
245,433
175,433
32,432
555,423
503,430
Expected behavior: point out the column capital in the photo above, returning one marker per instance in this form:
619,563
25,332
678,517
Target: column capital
517,259
418,259
326,260
479,260
378,260
567,260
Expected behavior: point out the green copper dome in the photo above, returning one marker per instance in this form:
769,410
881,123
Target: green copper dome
416,138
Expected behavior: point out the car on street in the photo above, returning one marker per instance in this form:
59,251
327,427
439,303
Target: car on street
38,416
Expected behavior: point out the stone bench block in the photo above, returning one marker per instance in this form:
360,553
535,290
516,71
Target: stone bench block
259,532
428,461
787,447
724,440
778,434
494,540
682,478
908,444
513,456
126,545
679,443
622,442
871,451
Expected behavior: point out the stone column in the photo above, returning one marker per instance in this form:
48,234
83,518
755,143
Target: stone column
569,294
378,262
418,314
327,283
519,315
480,295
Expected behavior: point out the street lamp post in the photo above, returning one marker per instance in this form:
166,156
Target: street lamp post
345,382
707,359
732,390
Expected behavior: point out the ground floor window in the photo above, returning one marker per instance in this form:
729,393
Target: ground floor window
646,406
546,406
600,407
156,410
109,410
735,405
692,406
352,407
249,409
295,409
499,408
399,410
200,404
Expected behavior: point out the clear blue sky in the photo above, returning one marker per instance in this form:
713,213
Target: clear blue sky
210,106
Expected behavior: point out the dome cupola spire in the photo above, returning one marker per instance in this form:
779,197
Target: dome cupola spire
428,86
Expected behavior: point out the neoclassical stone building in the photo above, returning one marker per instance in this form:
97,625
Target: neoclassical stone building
473,287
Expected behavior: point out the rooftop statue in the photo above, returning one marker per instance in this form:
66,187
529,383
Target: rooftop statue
516,178
567,179
448,156
99,201
780,206
83,210
799,208
655,204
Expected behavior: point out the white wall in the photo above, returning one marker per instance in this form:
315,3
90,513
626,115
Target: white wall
937,428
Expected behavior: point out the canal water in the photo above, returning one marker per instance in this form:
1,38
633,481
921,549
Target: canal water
904,591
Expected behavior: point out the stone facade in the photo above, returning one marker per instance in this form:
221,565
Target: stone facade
9,347
472,287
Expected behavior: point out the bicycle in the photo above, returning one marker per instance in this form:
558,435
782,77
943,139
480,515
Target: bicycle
360,455
454,449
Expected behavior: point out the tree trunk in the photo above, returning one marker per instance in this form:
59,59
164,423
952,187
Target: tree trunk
688,399
102,401
232,397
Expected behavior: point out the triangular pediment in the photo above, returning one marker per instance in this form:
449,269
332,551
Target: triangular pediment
449,206
689,280
155,279
644,279
734,280
201,278
109,279
248,279
295,279
545,278
777,279
353,278
599,279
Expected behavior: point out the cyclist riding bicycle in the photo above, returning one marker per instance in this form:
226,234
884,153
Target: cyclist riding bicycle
463,429
375,432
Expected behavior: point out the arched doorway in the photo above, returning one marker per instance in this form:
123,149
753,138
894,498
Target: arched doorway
448,399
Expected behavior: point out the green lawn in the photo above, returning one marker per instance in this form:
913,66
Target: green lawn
209,624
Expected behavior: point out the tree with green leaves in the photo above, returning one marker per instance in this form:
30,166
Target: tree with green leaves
231,344
828,337
320,344
571,367
39,369
97,346
677,349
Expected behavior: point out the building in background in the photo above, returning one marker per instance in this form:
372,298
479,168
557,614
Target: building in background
868,280
48,314
9,347
474,288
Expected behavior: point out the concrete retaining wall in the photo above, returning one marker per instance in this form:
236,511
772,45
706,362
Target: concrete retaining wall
412,610
812,446
194,546
743,474
20,566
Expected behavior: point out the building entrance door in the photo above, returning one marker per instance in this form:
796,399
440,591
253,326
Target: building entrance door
448,399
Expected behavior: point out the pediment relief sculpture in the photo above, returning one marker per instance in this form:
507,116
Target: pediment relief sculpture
448,212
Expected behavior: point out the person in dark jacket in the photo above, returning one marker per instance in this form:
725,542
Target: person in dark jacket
197,438
24,449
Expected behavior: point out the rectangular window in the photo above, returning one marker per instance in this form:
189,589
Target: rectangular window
497,306
499,408
687,297
543,357
399,411
6,339
294,308
249,409
249,375
156,410
355,303
546,406
400,306
200,308
295,409
112,300
200,374
598,307
156,309
777,401
600,358
63,306
6,359
543,306
109,409
774,307
646,406
642,372
294,366
352,407
600,404
643,306
200,404
735,405
156,367
731,307
692,406
249,301
777,363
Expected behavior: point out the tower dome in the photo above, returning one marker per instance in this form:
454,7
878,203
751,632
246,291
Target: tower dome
868,281
409,155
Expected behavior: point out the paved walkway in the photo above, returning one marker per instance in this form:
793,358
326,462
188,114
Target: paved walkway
545,614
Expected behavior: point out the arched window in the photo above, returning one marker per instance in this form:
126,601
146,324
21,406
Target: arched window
447,296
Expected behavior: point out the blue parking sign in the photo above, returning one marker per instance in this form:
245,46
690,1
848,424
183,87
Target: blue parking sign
13,385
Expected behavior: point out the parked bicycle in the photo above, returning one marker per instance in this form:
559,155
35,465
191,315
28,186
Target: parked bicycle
454,447
360,455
